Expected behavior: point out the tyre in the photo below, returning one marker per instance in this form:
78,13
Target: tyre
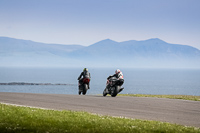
115,91
104,93
79,90
85,88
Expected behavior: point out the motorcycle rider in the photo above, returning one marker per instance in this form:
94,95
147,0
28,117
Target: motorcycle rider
83,75
119,75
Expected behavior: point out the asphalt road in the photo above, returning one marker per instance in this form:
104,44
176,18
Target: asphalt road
167,110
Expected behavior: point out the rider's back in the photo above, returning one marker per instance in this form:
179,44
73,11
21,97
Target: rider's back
86,74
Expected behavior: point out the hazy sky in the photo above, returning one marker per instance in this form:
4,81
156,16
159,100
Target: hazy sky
88,21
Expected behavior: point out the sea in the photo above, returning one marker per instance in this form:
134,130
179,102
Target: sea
136,80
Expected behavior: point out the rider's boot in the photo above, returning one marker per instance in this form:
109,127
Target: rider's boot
121,89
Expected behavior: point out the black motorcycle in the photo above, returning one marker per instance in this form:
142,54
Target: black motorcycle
113,86
83,86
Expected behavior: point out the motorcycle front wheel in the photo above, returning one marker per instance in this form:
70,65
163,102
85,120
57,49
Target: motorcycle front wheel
104,93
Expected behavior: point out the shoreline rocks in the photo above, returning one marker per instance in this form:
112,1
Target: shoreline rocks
24,83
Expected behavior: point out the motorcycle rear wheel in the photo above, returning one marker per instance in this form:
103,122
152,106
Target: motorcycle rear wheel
79,90
85,88
115,91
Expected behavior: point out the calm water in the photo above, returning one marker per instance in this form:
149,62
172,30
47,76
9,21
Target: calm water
137,81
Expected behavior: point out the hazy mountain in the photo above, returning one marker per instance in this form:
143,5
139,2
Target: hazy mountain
17,52
152,48
148,53
108,53
157,48
11,46
100,49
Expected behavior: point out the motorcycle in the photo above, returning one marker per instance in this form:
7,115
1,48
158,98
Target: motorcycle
83,86
113,86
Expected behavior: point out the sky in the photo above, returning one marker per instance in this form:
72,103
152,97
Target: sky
86,22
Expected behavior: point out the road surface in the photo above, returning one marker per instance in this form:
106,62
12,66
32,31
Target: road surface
167,110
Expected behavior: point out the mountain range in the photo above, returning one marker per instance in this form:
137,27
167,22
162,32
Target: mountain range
106,53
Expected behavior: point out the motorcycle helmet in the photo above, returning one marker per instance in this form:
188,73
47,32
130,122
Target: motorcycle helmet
85,69
117,71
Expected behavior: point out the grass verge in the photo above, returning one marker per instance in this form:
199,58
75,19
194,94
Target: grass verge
26,119
184,97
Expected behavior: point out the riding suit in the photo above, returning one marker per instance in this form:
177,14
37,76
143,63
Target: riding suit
84,74
119,75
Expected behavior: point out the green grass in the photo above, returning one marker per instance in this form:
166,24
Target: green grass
25,120
184,97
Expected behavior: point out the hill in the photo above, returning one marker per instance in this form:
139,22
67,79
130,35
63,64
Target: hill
106,53
13,46
148,53
152,48
17,52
